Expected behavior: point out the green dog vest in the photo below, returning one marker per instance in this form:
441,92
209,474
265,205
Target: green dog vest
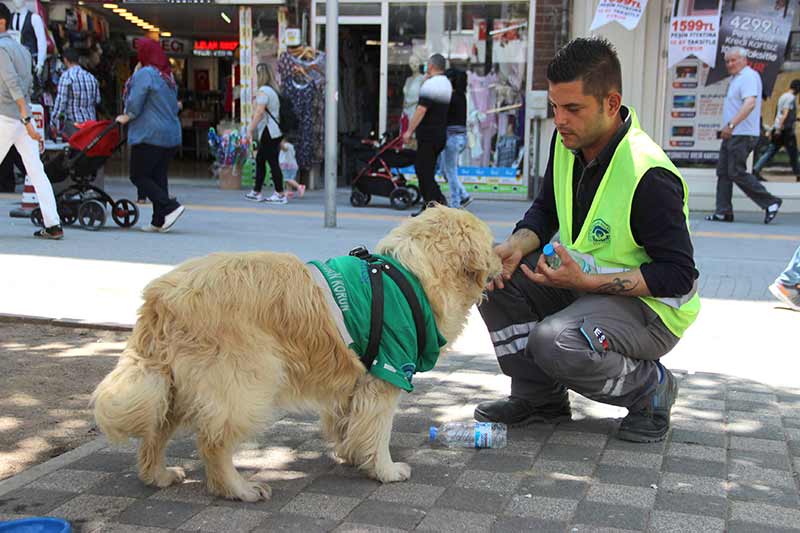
350,299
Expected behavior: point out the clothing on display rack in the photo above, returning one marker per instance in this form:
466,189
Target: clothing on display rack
303,81
506,150
482,93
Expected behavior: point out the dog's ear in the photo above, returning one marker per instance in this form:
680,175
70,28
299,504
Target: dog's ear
473,243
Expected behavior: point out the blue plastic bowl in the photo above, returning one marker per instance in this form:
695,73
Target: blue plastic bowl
36,525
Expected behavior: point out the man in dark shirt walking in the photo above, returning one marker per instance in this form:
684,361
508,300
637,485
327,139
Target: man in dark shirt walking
430,123
625,291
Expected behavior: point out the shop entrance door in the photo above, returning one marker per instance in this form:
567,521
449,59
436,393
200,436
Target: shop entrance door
359,78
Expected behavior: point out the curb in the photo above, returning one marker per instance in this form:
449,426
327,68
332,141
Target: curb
56,463
65,322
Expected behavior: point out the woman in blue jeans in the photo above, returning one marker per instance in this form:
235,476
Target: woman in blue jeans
456,138
154,131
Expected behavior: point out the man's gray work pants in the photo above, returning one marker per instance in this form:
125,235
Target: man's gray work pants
548,339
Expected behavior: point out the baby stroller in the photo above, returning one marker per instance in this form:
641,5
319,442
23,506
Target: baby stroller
83,202
380,176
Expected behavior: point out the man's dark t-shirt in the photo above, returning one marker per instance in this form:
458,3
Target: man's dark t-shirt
434,96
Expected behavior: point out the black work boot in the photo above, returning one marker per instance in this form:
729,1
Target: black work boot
651,423
518,412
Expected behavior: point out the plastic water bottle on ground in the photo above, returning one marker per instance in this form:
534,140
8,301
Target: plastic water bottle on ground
469,435
551,257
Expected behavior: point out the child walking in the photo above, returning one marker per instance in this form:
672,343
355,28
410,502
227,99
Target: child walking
289,167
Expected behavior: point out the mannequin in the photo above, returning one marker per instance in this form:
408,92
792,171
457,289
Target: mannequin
412,86
30,28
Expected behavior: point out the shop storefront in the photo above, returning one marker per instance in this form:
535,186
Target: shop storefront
201,39
383,47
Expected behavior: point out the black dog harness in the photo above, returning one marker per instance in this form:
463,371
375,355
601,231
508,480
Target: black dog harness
376,267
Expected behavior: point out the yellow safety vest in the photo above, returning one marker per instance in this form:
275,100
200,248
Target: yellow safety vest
605,243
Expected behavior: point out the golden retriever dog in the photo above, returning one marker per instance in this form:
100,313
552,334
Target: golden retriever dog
223,341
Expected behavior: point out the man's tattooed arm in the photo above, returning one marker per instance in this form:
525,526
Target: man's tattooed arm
629,283
618,286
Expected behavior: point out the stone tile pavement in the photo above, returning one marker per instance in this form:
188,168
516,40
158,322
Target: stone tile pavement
731,464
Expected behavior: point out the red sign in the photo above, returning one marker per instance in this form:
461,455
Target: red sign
227,46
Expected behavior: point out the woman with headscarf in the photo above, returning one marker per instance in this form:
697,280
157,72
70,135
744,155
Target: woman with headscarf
154,131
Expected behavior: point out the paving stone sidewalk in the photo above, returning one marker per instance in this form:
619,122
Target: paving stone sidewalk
731,464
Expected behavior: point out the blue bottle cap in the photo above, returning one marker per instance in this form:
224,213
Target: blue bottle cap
548,250
432,432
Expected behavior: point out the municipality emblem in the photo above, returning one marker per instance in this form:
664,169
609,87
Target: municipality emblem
600,231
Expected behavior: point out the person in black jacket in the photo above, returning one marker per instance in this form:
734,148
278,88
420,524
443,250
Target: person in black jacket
430,124
456,138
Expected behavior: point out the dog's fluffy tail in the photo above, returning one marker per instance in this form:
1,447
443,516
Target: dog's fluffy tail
134,399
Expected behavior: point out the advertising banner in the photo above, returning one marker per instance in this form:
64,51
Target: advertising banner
626,12
498,180
247,72
762,28
693,35
693,115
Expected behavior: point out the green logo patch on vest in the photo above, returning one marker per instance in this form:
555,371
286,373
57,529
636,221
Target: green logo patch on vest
600,231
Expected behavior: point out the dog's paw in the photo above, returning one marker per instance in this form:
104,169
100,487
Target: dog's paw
393,472
252,491
169,476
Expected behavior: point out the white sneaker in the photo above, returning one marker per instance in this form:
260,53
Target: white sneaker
150,228
171,218
276,199
254,196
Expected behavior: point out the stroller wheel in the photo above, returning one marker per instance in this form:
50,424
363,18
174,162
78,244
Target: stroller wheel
36,217
67,213
92,215
415,195
359,199
125,213
401,198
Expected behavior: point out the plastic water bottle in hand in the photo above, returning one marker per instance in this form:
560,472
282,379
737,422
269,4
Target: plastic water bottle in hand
551,257
469,435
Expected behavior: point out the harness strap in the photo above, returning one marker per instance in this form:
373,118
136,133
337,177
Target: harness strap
413,302
376,316
376,268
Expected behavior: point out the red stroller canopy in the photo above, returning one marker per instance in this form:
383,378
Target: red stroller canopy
89,131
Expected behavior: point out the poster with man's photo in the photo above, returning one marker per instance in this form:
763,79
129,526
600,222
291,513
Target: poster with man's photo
762,28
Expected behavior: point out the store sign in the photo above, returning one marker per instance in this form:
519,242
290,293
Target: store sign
761,28
693,35
626,12
693,114
215,48
170,46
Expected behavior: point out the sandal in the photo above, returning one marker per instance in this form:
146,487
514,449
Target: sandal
716,217
770,214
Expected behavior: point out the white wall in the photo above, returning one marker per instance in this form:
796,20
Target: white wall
644,66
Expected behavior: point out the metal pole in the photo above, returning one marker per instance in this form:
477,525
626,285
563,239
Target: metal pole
331,108
537,142
526,160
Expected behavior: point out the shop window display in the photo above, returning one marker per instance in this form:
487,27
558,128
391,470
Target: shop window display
489,43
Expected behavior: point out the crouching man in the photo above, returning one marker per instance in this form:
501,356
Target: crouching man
626,288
